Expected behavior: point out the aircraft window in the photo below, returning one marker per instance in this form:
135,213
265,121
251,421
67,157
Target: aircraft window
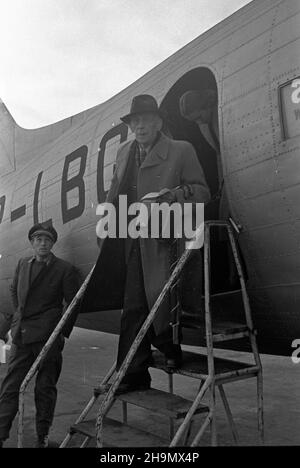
290,108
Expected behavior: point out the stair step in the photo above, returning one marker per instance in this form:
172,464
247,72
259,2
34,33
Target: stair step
173,406
118,434
221,330
195,365
225,293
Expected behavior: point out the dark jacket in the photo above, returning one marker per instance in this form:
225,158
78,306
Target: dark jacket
169,164
39,306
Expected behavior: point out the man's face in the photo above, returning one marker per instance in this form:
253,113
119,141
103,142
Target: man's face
145,127
42,245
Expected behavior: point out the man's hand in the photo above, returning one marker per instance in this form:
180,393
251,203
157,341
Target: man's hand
170,196
166,196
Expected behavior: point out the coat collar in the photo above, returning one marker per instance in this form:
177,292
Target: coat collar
156,156
49,261
42,273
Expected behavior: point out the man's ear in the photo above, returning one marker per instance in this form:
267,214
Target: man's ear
159,123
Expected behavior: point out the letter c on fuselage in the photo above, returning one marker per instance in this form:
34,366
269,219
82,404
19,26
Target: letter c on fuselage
121,130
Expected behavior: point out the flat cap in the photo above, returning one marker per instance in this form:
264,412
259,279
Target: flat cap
43,229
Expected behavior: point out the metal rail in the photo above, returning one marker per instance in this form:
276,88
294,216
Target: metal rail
209,381
88,407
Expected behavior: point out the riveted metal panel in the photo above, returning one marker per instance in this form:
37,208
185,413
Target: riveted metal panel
273,241
264,210
284,269
251,181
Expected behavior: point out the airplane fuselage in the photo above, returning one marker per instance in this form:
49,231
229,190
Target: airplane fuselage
61,172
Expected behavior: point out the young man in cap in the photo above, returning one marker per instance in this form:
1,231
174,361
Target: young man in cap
130,273
39,286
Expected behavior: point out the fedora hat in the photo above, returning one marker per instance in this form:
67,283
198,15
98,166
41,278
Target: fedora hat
141,104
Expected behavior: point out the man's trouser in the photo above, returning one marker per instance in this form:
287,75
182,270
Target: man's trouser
134,314
21,359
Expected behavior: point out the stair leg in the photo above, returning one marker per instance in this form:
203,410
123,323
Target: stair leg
260,414
171,390
260,411
187,433
213,423
229,414
198,436
189,428
190,413
124,409
85,442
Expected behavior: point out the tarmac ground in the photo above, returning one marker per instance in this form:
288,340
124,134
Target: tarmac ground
88,355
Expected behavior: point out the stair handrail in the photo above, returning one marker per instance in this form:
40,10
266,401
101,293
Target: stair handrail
109,397
89,405
46,348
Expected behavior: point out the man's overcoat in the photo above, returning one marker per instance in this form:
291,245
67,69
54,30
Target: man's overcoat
168,165
39,304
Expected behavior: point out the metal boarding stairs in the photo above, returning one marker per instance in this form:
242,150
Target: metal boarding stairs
212,372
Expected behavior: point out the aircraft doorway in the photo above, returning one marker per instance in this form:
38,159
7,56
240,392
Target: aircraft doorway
180,124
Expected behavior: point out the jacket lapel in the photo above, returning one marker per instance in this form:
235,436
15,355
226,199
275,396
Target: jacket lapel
43,272
157,154
126,153
121,171
25,280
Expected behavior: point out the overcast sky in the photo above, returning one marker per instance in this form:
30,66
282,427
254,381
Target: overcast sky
59,57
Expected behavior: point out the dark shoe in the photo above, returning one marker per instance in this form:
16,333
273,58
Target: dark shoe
173,360
42,442
173,363
1,443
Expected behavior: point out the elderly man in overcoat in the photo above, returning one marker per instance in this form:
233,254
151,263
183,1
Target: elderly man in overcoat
130,273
